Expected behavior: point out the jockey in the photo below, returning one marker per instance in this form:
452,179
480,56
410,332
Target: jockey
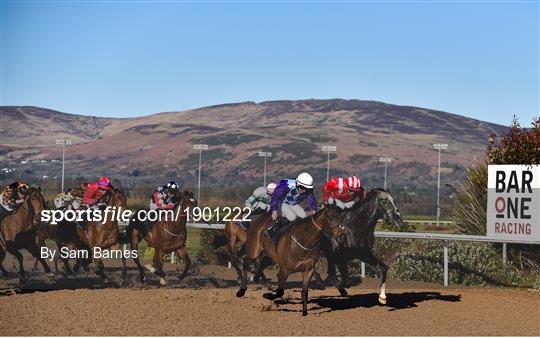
11,197
287,197
72,199
94,194
162,196
259,201
342,191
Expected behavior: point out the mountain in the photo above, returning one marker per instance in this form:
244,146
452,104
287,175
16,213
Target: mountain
158,147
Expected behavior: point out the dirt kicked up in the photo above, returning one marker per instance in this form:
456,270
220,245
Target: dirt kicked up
206,305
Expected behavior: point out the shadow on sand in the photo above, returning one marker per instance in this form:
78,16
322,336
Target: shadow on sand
396,301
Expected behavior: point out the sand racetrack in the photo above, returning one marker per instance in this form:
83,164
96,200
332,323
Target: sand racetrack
205,304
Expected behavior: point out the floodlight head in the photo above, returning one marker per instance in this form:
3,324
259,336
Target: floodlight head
385,159
200,146
329,148
440,146
265,154
63,141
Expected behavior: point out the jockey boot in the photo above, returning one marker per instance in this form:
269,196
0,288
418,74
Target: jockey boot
277,227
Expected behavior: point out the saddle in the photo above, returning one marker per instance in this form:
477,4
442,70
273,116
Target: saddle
278,228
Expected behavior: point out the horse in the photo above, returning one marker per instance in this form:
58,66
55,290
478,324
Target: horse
295,250
19,232
106,235
360,221
165,236
237,234
64,234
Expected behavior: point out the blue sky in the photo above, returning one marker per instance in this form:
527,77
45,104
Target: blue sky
136,58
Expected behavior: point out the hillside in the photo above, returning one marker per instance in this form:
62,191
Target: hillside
155,148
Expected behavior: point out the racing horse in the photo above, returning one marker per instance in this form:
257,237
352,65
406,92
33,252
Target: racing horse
105,234
19,232
64,233
235,233
165,236
295,250
360,224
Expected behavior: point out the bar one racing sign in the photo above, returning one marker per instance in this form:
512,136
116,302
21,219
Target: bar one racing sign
513,210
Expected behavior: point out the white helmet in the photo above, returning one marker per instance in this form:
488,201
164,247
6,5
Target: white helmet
305,180
270,188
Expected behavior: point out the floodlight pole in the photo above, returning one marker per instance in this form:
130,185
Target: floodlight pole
385,160
265,154
200,148
439,147
63,142
328,149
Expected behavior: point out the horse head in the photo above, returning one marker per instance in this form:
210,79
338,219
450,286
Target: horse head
36,203
387,210
117,197
333,221
188,200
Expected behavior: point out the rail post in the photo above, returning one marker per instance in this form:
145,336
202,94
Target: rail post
445,262
172,257
363,269
504,254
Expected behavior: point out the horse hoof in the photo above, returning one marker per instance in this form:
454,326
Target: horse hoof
241,292
142,278
23,280
343,292
329,282
162,281
304,313
229,265
382,301
150,268
50,274
269,295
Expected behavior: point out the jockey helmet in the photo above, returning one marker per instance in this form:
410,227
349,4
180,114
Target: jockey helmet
353,183
23,188
304,180
270,188
105,183
172,185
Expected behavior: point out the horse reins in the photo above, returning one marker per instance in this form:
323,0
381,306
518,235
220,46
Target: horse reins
180,215
316,244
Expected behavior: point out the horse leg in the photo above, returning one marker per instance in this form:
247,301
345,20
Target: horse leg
100,269
157,262
117,246
135,246
318,279
306,277
233,260
326,246
370,258
34,250
344,273
2,256
12,249
243,287
67,268
282,279
183,252
261,265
